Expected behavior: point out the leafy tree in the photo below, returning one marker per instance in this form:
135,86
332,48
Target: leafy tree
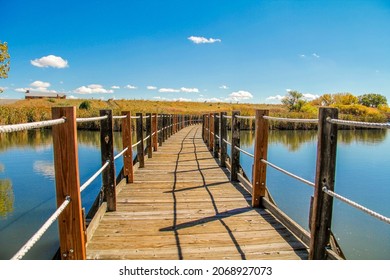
4,61
294,101
345,98
372,100
86,105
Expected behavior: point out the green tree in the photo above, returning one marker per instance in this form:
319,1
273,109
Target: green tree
372,100
294,101
4,61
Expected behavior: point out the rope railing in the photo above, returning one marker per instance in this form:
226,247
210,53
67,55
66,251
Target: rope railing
118,117
359,124
93,177
121,153
246,117
227,117
135,117
146,138
27,126
37,236
357,205
92,119
227,142
135,145
291,120
244,152
307,182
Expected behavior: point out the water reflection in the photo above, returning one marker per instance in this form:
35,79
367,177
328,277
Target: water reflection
294,139
6,198
45,168
28,138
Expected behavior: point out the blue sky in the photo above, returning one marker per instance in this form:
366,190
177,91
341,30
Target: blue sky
232,51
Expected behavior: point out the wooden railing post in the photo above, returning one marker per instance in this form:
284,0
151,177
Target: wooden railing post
66,166
261,149
149,144
154,131
165,131
107,155
203,128
222,136
140,139
127,142
160,127
216,133
235,154
325,177
211,131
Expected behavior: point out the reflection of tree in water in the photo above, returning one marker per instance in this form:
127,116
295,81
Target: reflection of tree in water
31,138
366,136
6,196
293,139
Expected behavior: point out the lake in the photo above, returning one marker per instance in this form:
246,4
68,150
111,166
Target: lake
27,190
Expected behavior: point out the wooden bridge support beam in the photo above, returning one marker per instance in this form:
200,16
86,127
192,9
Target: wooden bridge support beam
66,166
325,177
261,149
127,142
235,154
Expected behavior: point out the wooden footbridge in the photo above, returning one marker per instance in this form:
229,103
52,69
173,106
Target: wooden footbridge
182,205
184,195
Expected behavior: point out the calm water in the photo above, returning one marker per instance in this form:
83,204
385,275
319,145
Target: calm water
27,190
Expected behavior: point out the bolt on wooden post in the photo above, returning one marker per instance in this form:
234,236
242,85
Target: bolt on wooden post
261,150
325,177
66,167
127,142
107,155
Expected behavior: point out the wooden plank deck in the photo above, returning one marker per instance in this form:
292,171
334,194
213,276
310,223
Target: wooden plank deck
183,206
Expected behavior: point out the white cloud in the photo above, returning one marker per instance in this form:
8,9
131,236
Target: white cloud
276,97
240,95
168,90
302,55
40,84
309,96
159,98
22,89
72,97
203,40
224,87
50,61
315,55
115,87
151,87
189,90
93,88
130,87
